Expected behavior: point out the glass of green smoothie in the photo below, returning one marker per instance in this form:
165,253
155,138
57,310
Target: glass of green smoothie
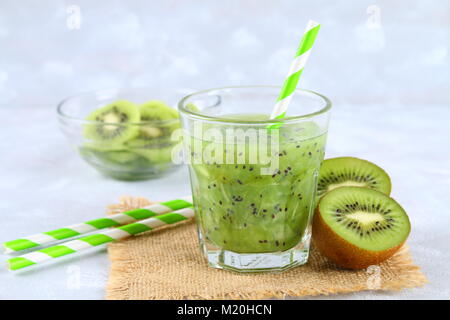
254,179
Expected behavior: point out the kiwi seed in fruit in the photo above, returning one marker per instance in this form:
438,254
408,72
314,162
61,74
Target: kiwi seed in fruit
348,171
108,126
357,227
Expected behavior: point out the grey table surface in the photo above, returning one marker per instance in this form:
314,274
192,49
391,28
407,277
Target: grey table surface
44,184
384,64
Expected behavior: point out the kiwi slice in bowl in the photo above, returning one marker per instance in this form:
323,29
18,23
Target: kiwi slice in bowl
357,227
158,122
349,171
120,157
130,142
109,127
160,155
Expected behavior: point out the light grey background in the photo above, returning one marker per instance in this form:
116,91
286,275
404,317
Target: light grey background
385,65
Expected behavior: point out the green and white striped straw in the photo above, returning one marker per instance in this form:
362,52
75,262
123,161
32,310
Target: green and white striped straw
297,66
87,242
94,225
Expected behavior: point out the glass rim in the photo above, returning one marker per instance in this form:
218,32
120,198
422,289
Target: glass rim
65,115
290,119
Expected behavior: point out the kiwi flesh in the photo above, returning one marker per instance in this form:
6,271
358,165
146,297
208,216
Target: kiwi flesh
158,121
162,154
120,157
357,227
109,126
349,171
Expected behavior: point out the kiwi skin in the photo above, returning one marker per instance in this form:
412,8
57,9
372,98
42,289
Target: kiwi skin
343,253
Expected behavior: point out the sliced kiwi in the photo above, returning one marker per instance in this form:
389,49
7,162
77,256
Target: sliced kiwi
356,227
348,171
129,142
165,111
109,126
109,157
121,157
158,122
162,154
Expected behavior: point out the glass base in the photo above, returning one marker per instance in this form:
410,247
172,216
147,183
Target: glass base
256,262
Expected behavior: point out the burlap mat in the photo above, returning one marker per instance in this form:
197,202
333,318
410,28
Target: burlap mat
168,264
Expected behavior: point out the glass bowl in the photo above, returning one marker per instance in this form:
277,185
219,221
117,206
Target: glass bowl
134,159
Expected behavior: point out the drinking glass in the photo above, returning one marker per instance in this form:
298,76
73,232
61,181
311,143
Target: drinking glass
254,179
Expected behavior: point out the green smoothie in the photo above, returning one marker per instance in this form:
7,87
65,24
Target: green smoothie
240,209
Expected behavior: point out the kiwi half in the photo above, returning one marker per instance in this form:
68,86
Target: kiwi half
111,125
348,171
358,227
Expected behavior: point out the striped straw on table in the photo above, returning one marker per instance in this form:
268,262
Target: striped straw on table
296,69
94,225
100,238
